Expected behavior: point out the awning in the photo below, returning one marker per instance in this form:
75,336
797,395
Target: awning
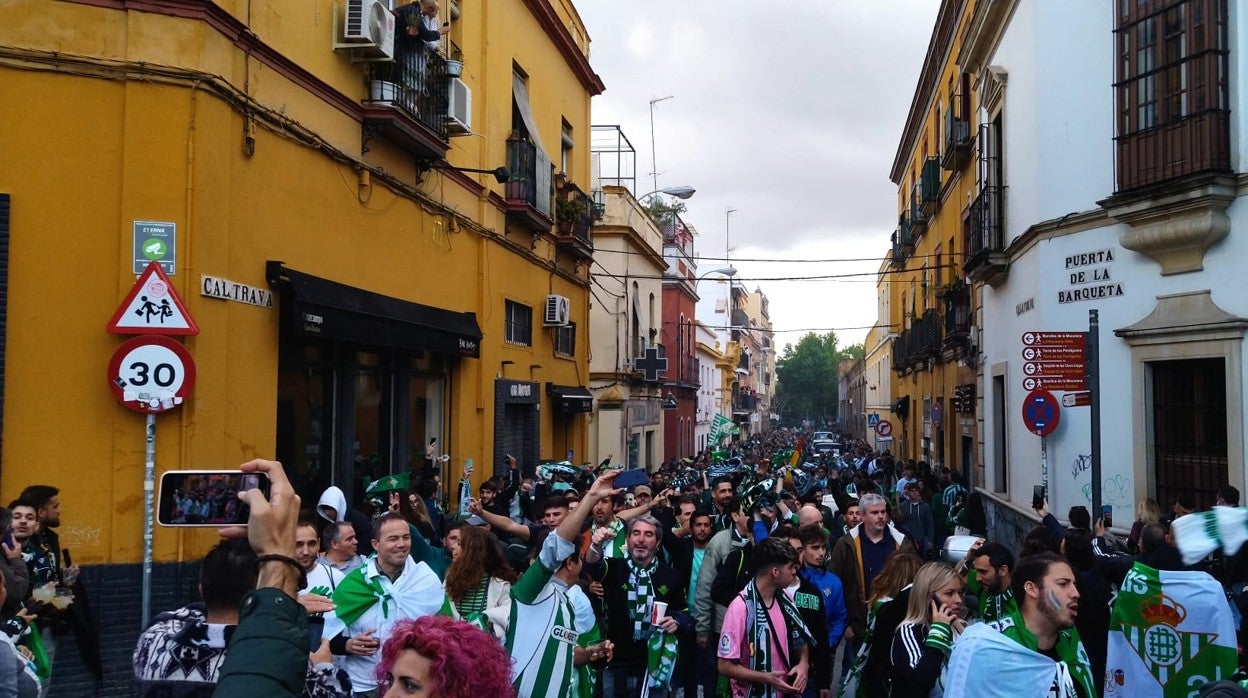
570,399
324,308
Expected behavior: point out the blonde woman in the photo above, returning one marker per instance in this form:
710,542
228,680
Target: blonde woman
1146,511
922,642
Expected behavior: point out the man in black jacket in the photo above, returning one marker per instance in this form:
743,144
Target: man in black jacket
632,586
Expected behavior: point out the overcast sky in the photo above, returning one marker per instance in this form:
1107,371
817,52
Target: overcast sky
789,113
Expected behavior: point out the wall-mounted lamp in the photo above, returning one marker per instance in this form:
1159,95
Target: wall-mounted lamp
502,174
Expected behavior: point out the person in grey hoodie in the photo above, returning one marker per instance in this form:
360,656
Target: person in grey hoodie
333,507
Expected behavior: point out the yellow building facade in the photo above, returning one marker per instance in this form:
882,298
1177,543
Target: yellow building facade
929,301
410,300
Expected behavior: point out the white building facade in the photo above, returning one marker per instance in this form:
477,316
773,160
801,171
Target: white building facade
625,319
1111,157
711,386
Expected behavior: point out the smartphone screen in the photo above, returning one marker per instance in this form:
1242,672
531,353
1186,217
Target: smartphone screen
206,497
1037,496
1107,515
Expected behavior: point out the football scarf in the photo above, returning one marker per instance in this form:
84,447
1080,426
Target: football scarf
640,595
1199,534
1169,633
758,630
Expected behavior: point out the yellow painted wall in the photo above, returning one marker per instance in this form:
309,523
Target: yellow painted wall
913,285
89,147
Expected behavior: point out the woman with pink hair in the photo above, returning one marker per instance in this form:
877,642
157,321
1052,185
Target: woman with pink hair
439,657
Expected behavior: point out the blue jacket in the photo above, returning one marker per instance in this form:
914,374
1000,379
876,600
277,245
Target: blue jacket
833,593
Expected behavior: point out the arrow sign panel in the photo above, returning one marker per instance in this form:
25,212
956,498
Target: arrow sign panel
1063,369
1055,339
1053,383
1047,353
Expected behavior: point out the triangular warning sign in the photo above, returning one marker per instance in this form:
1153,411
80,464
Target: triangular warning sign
152,307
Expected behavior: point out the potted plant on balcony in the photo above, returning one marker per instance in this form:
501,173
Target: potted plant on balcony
454,62
383,82
569,210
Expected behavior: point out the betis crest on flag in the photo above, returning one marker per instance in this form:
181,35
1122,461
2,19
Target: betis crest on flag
1170,632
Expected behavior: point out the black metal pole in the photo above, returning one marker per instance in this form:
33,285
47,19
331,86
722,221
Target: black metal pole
1094,389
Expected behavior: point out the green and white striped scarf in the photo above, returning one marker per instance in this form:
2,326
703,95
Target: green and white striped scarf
757,629
660,660
640,595
1199,534
616,547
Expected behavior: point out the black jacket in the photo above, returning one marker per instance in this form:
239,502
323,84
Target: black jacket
612,573
877,674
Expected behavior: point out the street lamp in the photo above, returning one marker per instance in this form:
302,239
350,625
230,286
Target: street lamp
726,271
683,191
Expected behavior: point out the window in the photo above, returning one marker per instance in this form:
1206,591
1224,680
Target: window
565,150
1189,429
1172,90
518,324
565,339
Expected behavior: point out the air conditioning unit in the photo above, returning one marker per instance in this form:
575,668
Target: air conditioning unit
558,311
368,29
459,109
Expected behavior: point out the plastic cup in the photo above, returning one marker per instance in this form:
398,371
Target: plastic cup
658,612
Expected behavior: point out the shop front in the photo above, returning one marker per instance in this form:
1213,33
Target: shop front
365,381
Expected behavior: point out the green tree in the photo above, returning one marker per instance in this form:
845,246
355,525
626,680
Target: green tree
807,377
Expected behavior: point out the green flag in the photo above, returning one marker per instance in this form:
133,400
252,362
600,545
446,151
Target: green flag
1169,633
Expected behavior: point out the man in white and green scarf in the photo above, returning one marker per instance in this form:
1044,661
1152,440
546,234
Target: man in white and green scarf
645,641
764,646
543,624
372,599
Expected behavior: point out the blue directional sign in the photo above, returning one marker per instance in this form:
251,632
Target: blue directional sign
1041,412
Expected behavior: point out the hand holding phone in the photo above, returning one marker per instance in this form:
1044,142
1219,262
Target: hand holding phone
1107,515
206,498
1038,496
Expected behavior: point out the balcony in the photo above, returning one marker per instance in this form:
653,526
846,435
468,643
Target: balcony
957,303
928,330
898,257
902,353
929,186
906,228
529,200
574,218
918,216
743,403
986,260
957,153
407,101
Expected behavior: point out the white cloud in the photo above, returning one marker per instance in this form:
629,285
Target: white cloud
789,113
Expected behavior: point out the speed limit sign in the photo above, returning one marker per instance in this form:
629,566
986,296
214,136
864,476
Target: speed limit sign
151,374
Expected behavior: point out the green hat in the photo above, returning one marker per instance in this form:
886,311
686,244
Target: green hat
399,482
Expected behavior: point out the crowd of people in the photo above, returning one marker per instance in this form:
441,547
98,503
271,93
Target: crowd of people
760,570
41,600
